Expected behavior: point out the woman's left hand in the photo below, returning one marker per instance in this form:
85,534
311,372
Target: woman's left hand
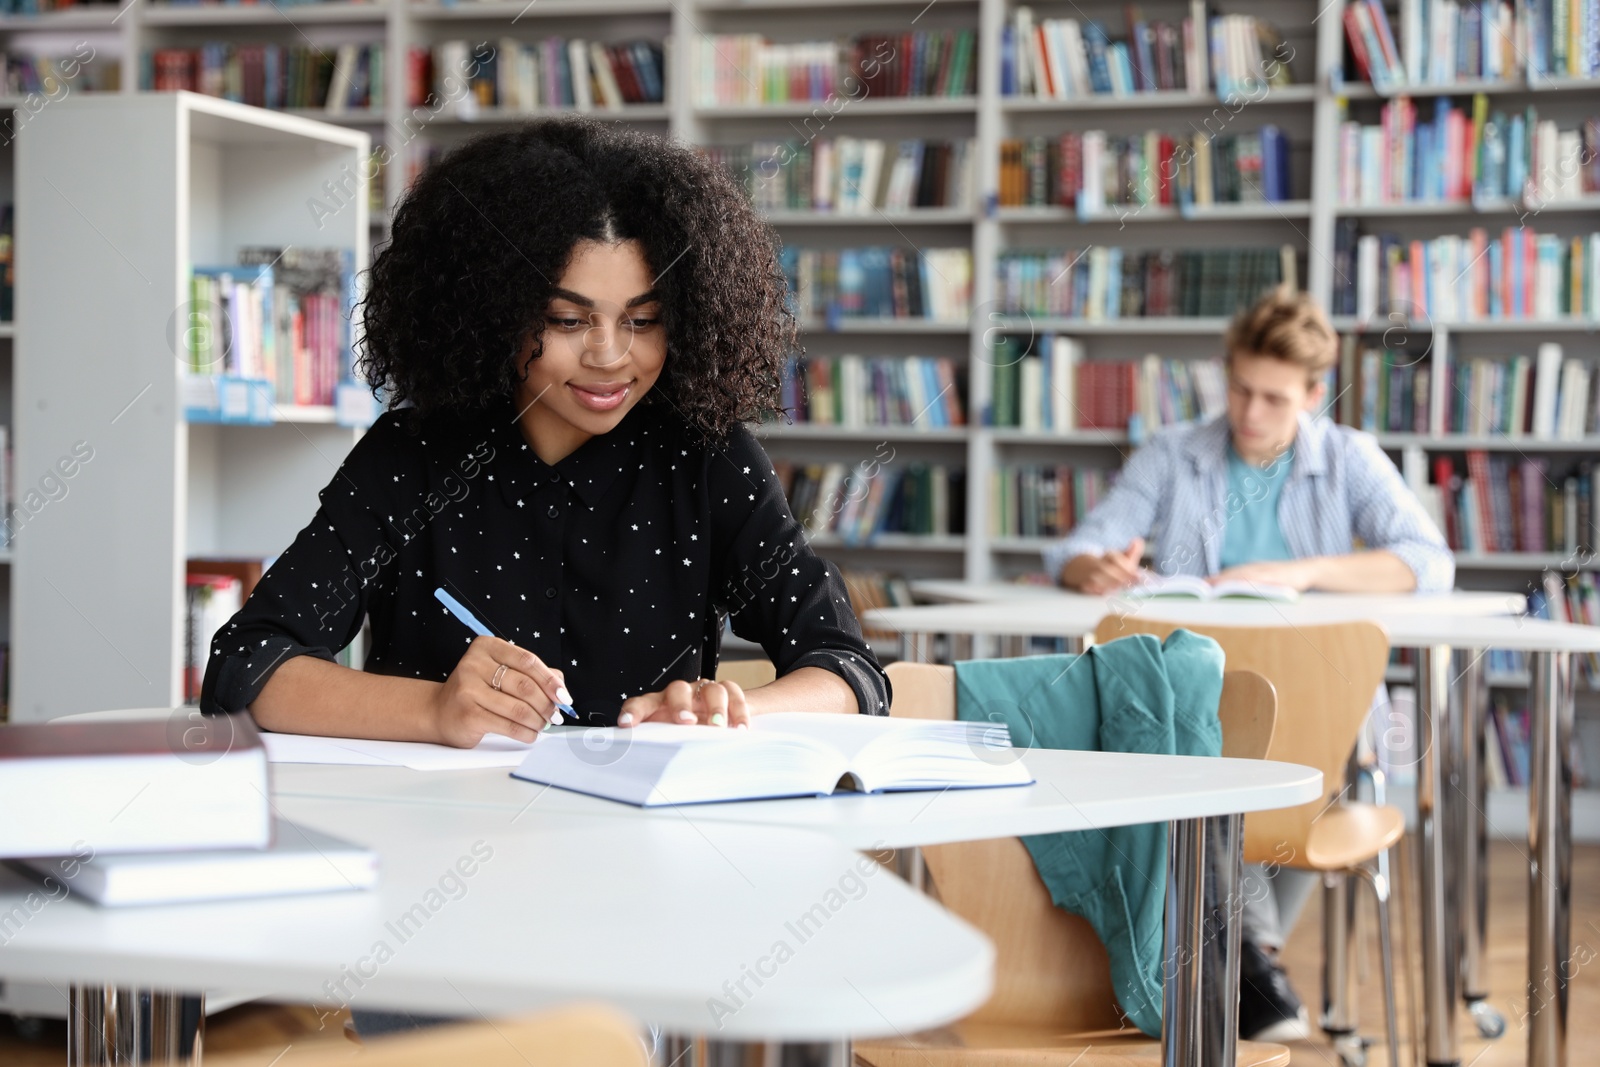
704,701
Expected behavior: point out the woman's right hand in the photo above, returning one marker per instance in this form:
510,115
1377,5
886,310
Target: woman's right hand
468,705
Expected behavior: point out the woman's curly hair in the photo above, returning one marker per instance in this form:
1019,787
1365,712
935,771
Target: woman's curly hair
481,239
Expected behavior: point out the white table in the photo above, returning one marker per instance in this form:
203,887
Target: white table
663,917
434,812
1074,791
1202,800
1449,809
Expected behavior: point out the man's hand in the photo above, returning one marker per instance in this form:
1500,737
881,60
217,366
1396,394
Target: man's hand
1100,575
1300,574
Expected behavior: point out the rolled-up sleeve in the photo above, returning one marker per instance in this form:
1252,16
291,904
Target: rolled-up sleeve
1386,514
313,598
1129,510
774,588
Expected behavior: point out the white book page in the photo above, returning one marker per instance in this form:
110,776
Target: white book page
493,751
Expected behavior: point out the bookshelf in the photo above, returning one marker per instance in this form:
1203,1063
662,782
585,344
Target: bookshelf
100,567
1308,112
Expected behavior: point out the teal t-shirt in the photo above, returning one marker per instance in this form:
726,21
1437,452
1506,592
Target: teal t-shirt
1252,533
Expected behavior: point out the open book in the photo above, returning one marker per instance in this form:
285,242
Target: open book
1187,585
780,755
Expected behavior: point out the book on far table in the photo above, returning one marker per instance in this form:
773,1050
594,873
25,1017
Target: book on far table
1189,586
780,755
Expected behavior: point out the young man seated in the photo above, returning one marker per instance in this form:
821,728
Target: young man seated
1273,493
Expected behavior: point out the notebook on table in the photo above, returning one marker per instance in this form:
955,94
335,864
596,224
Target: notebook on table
779,755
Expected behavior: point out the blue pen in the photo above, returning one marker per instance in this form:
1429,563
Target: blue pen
471,622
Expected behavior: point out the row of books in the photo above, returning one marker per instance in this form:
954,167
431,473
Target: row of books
1521,274
1570,598
1103,282
35,7
1040,500
22,73
8,262
1052,387
1441,42
1546,397
852,175
1089,170
923,392
524,76
346,78
1512,503
829,285
870,589
281,316
856,505
1062,59
747,68
1464,156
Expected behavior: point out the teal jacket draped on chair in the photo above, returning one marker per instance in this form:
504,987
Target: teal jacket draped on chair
1136,694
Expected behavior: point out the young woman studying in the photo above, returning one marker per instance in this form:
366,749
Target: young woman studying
572,324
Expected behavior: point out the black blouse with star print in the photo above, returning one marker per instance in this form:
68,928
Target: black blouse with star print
617,565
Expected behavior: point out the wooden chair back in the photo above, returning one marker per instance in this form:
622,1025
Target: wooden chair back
746,673
1325,675
578,1036
1050,967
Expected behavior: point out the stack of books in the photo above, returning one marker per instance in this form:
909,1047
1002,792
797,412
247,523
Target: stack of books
1043,500
525,76
1089,170
202,828
1519,274
851,175
747,68
831,286
1466,155
1062,59
922,392
349,77
1101,282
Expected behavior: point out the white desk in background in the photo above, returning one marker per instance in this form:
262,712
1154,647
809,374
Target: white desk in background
1450,809
490,912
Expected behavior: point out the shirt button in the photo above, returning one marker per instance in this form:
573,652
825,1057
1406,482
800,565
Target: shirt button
554,512
550,594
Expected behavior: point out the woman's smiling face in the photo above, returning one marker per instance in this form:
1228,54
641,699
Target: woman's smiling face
603,349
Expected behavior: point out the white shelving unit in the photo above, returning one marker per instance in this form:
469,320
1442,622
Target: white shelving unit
118,195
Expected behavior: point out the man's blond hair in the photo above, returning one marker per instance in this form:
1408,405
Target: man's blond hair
1288,325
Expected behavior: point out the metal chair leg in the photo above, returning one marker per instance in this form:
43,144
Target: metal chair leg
1380,892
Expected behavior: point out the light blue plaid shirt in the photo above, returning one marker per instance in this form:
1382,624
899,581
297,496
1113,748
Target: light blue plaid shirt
1174,492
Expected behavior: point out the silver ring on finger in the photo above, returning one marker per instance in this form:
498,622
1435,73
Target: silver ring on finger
499,673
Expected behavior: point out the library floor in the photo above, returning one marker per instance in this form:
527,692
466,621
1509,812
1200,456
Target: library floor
259,1034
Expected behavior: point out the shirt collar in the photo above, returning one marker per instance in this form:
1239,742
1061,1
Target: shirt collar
588,471
1208,445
